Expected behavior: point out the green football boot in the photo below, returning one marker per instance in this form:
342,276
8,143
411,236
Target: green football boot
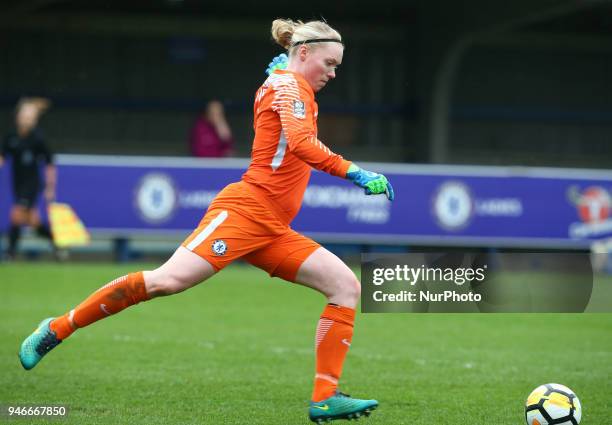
39,343
340,406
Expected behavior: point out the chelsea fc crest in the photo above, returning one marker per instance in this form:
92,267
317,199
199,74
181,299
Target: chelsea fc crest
156,198
219,247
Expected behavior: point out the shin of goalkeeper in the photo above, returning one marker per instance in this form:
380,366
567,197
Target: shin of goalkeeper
373,183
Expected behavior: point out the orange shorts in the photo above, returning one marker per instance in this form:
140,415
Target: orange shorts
237,225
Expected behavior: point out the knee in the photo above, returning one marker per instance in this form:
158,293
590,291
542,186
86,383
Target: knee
353,290
348,290
18,219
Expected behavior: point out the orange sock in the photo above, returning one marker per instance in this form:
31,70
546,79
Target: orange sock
334,335
108,300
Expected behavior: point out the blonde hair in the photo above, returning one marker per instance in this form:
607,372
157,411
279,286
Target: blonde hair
289,34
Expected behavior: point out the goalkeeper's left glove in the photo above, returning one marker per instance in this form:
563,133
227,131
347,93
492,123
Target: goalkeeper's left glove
373,183
279,62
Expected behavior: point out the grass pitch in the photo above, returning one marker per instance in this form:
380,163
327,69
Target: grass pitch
238,349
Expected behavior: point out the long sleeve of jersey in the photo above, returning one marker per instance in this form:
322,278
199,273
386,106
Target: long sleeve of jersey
294,102
285,147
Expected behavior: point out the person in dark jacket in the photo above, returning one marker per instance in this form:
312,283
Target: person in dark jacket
28,150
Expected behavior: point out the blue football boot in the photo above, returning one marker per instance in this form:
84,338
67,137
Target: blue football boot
39,343
340,406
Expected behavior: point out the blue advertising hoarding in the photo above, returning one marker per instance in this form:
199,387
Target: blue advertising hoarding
435,205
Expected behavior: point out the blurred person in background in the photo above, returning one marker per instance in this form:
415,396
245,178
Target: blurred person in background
211,135
250,219
28,150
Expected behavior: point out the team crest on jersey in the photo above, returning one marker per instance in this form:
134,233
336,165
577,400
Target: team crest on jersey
219,247
299,109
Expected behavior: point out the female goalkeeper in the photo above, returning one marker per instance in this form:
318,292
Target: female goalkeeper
251,220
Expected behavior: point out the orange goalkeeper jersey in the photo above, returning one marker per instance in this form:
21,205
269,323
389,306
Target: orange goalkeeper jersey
286,145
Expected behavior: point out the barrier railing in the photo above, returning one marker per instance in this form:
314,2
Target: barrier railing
125,197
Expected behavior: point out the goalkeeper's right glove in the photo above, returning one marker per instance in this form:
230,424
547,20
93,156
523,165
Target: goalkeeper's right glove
279,62
373,183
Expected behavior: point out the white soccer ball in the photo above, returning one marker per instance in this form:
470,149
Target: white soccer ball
552,404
